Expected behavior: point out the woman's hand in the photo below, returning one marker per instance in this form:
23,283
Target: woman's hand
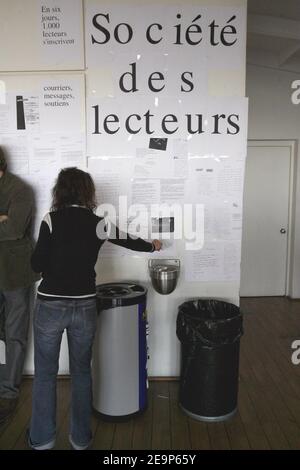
3,218
157,245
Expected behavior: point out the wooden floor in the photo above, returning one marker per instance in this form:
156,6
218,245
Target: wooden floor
269,398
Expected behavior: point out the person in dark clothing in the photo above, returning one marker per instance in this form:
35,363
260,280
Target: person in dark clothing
16,280
66,253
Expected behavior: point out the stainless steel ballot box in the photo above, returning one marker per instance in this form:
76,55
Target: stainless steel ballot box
120,351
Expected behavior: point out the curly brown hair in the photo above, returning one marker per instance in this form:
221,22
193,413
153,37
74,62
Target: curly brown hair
73,186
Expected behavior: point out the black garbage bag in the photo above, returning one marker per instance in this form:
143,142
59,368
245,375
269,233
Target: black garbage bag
209,331
210,322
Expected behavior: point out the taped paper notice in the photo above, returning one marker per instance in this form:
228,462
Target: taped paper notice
216,262
61,35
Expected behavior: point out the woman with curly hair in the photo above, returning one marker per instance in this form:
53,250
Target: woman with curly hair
65,254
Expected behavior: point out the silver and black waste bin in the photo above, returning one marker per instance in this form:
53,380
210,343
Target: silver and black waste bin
120,351
209,331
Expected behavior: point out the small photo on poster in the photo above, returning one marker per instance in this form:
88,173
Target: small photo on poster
158,144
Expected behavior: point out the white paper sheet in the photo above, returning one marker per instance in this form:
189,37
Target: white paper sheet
61,38
217,177
172,191
216,262
145,192
112,179
222,220
8,121
72,150
231,177
44,155
166,15
150,163
5,113
51,152
17,152
202,178
180,158
62,105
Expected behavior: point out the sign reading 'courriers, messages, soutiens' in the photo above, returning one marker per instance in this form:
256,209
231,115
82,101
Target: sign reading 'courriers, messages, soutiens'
154,66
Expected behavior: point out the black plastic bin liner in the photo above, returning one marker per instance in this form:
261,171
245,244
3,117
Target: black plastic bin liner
209,331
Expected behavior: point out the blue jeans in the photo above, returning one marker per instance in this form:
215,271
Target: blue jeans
51,318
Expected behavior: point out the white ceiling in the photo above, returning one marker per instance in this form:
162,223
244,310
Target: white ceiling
273,38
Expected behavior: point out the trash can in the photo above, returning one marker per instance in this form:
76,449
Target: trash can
120,352
209,331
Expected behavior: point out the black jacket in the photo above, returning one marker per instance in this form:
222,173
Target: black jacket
67,249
